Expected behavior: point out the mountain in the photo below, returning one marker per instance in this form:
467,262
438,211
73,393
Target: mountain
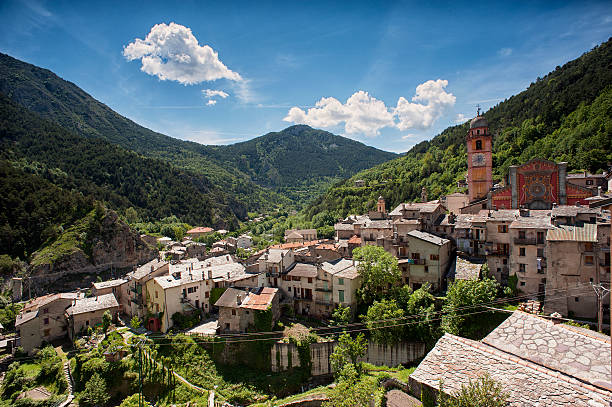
564,116
264,172
299,160
73,171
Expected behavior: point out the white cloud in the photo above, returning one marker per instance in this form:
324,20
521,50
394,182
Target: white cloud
211,93
408,136
365,114
461,118
422,116
172,52
361,113
504,52
211,102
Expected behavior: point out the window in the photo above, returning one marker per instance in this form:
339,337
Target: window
521,251
499,270
46,320
190,290
340,281
156,295
502,228
540,237
340,295
434,257
427,269
478,143
576,299
588,247
233,312
521,267
588,260
521,234
247,312
416,256
540,252
505,261
87,323
46,311
46,332
522,283
309,280
207,294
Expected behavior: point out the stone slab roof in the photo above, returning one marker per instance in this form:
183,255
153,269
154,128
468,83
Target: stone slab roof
423,207
558,347
500,214
428,237
343,226
457,360
109,284
303,270
229,298
24,317
147,269
466,270
378,224
572,210
91,304
533,221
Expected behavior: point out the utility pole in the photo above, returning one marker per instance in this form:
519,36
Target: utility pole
601,292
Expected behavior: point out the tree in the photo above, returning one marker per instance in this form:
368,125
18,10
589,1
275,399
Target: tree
484,392
378,270
350,390
421,309
135,322
132,401
107,319
381,330
467,293
348,351
95,394
341,315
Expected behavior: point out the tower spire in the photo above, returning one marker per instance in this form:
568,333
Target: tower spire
477,110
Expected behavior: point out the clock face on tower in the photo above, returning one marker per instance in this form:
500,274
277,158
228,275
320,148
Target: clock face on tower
478,160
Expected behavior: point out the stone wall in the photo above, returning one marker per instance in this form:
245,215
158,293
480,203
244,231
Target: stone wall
379,355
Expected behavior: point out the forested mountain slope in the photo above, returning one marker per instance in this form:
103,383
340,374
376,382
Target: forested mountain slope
81,170
299,161
564,116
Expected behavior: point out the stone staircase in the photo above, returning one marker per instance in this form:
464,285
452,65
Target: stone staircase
68,376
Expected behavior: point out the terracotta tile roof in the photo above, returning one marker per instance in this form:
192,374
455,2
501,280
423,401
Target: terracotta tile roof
260,299
354,240
585,233
200,229
457,360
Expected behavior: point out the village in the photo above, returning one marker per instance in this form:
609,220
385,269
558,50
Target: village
543,235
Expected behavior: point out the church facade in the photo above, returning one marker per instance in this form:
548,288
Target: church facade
537,184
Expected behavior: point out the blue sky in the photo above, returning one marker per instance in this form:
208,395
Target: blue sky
389,74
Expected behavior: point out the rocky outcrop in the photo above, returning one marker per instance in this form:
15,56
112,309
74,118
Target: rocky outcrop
102,243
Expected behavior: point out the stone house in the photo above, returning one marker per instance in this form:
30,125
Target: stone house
573,215
335,285
198,232
426,212
499,241
237,308
572,254
115,287
42,319
527,250
299,285
133,295
88,312
374,231
244,242
428,262
274,263
300,235
535,361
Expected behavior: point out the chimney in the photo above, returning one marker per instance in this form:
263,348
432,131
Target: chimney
152,268
599,191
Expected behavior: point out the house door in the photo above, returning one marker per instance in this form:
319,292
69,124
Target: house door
275,282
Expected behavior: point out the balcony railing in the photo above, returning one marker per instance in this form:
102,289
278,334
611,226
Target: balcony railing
525,241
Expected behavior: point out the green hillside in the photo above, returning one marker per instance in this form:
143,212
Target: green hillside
564,116
274,161
38,151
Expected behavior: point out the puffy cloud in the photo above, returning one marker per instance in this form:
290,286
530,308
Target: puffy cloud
365,114
421,116
172,52
211,93
361,113
461,118
211,102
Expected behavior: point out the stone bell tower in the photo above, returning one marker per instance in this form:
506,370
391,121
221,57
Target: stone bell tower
480,158
381,205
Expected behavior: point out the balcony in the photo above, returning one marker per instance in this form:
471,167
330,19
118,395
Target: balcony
418,262
505,253
324,289
525,241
